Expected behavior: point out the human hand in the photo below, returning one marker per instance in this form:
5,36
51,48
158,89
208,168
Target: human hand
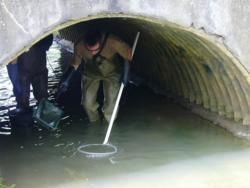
125,76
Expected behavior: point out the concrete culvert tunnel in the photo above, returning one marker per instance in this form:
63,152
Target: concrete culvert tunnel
198,55
184,63
191,54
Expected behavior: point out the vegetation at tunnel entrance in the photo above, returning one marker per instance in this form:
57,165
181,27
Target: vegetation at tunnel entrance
3,185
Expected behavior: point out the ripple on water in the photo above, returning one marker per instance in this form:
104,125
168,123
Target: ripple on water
5,95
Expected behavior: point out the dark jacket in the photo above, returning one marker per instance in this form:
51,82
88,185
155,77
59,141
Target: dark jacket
34,61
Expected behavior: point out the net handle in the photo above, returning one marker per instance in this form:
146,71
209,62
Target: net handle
119,97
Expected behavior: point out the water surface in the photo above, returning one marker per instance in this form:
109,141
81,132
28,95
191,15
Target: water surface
159,144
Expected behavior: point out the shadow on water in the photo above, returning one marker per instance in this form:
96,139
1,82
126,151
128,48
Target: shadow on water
150,132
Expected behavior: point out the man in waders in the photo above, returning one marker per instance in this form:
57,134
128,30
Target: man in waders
101,55
29,69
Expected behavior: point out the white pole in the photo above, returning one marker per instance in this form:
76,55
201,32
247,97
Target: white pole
113,114
135,43
118,97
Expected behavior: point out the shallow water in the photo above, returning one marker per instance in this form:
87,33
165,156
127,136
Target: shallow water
159,144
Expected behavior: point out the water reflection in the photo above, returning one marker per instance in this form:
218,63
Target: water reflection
7,101
159,144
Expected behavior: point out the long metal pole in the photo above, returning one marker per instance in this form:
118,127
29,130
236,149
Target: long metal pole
119,97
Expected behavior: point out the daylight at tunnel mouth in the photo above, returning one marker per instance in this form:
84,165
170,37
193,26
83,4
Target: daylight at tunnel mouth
180,62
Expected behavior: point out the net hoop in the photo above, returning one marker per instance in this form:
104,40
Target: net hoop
84,150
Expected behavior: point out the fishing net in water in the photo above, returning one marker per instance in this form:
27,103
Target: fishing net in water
97,150
47,114
105,149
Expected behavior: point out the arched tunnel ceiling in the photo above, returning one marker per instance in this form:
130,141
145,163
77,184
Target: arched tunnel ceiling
182,62
194,59
205,62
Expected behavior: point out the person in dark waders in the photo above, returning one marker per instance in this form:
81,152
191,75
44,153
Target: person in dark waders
29,69
99,52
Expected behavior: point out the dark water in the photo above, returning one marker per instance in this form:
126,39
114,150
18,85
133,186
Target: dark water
159,145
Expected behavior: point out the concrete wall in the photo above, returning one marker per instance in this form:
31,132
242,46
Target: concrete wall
21,22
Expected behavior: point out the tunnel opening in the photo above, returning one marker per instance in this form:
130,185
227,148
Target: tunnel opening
170,60
186,64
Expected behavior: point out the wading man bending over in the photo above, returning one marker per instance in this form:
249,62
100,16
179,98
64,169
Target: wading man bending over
30,69
99,52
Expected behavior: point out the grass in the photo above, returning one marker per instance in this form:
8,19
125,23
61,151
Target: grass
2,184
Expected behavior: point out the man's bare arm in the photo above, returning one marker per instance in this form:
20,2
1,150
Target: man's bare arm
76,61
122,48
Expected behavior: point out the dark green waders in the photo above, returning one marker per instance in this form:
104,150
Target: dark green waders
109,72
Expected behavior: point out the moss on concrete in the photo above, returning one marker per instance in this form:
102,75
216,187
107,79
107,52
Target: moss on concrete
3,184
